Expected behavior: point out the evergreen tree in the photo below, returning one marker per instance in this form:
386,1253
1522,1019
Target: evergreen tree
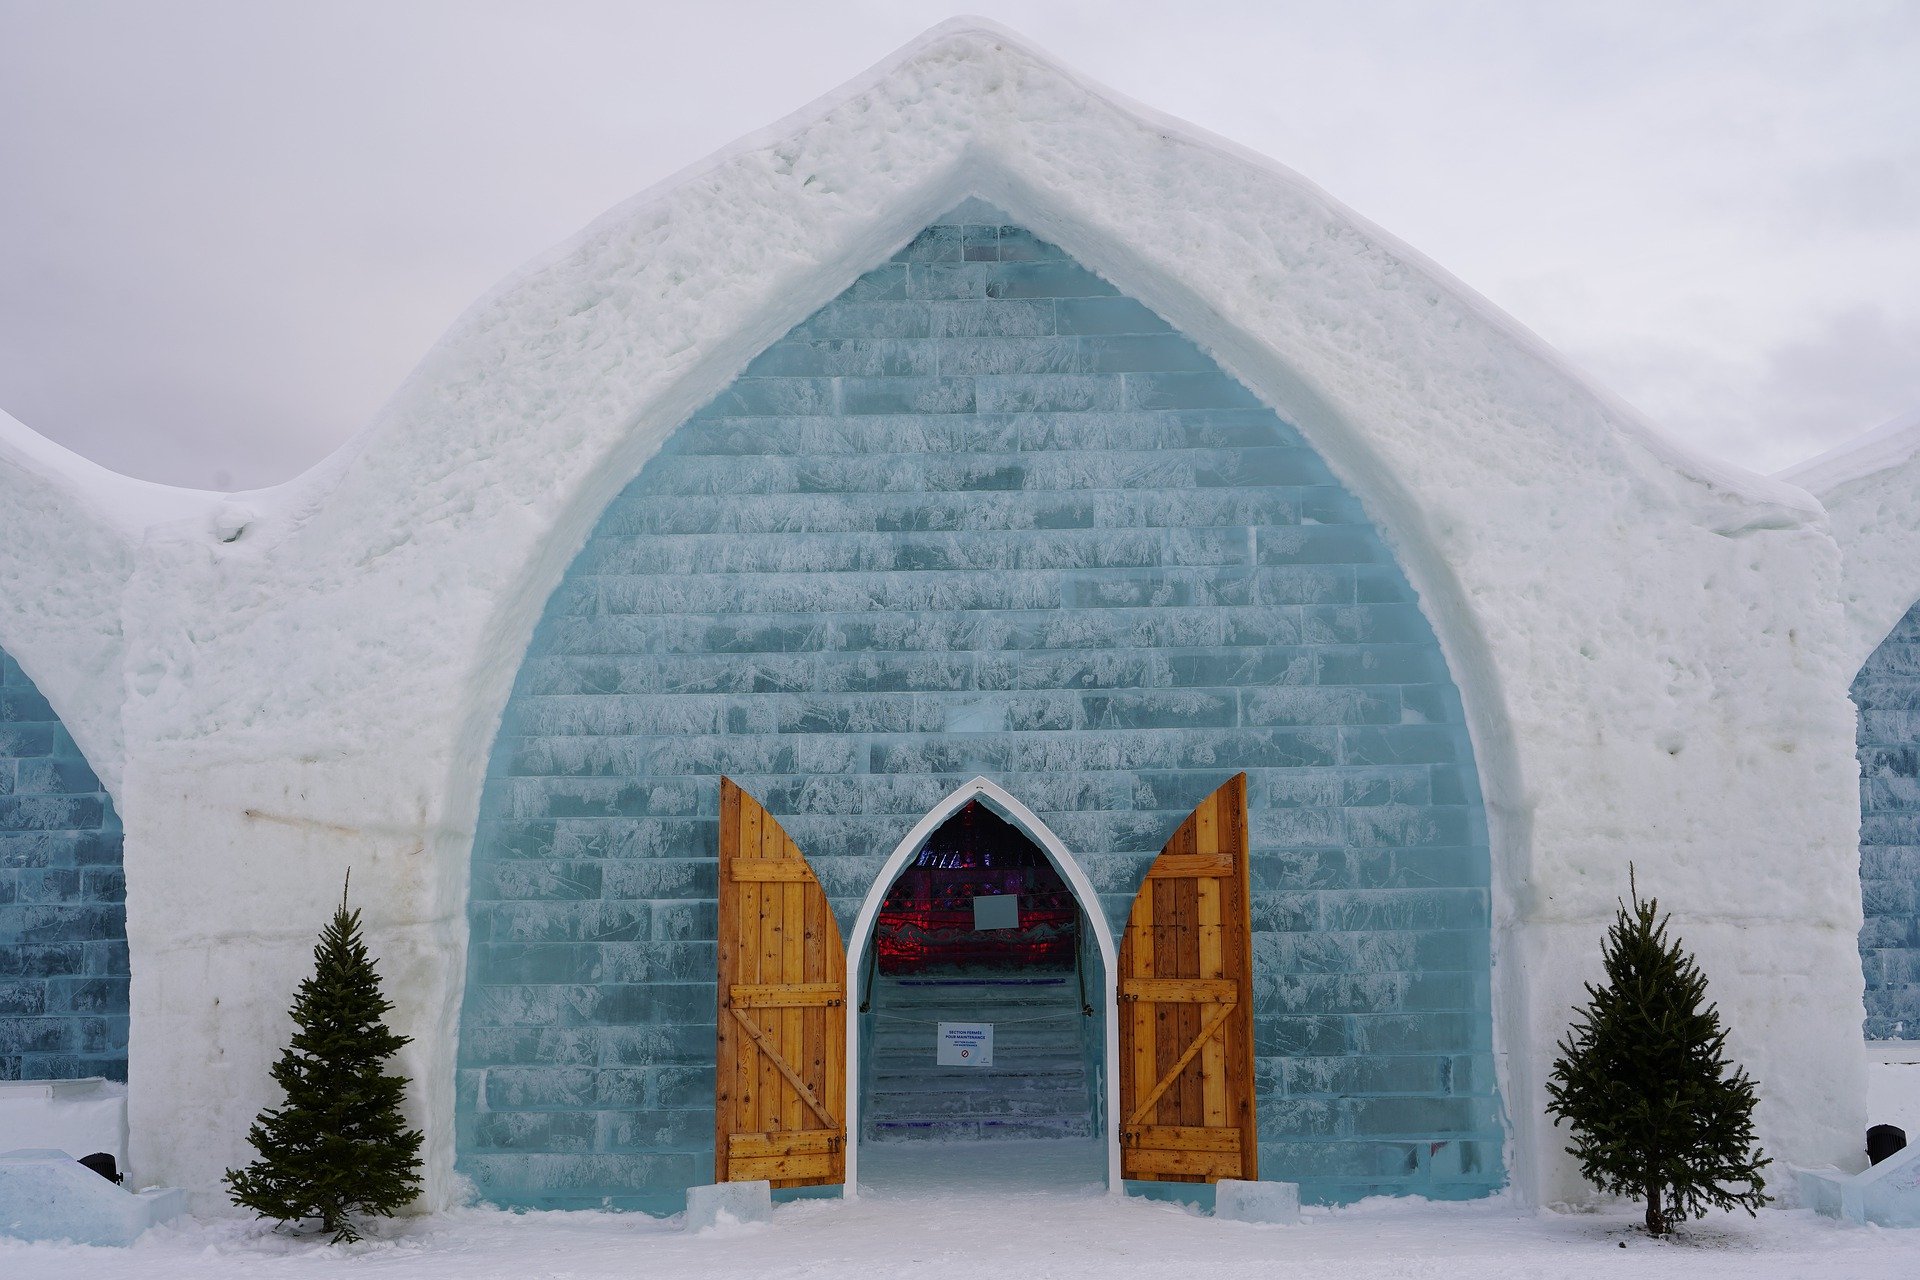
339,1145
1644,1086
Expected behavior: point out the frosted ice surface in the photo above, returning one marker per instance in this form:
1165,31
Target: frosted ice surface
728,1202
1110,662
47,1195
1275,1203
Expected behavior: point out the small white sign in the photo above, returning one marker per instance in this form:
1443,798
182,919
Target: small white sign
996,911
964,1044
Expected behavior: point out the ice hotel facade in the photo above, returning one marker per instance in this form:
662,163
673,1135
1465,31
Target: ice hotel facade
975,494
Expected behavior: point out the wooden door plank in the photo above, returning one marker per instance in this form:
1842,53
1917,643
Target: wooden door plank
726,1100
746,927
1213,1054
785,1171
747,913
1181,1138
1209,931
797,995
813,940
793,970
1136,964
1237,955
748,850
772,871
1166,1014
1181,1166
1183,1095
810,1142
833,1044
1177,866
1180,991
1192,1017
813,1018
780,1096
765,1026
1137,942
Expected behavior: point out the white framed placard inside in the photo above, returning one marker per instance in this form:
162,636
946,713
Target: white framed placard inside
996,911
964,1044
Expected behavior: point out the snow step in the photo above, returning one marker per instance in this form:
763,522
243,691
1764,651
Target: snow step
952,1130
1037,1087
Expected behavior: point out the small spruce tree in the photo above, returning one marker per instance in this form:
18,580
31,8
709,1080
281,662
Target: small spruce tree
339,1145
1643,1082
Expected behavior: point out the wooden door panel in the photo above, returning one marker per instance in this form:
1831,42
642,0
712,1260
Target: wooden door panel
780,1087
1186,1004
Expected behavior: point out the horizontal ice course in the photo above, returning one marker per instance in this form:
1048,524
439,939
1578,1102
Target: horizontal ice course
63,922
980,515
1887,693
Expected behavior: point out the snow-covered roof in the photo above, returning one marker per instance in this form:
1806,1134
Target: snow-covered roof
550,391
967,88
1891,444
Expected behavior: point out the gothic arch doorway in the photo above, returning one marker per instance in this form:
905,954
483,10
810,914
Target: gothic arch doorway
982,928
1043,978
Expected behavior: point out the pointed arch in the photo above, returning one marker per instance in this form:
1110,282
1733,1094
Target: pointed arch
1007,806
868,698
63,934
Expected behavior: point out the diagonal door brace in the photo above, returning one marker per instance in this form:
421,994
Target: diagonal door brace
1216,1020
766,1046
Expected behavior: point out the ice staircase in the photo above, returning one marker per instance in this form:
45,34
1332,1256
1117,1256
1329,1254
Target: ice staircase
1037,1087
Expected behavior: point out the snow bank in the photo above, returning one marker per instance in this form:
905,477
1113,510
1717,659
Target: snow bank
312,676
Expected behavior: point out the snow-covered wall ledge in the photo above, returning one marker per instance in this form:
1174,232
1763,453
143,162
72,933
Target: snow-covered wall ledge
1647,645
1871,490
68,529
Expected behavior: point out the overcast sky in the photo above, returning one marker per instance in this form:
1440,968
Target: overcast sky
228,230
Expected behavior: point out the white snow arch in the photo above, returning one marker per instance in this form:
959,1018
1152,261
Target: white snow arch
998,799
314,676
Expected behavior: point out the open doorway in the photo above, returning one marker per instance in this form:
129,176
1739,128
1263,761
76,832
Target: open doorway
980,985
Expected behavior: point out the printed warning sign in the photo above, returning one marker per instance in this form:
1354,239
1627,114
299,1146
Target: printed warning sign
964,1044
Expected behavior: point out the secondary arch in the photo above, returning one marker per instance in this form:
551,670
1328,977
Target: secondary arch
63,930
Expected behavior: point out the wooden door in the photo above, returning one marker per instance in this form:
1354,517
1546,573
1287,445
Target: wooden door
1186,1005
781,1089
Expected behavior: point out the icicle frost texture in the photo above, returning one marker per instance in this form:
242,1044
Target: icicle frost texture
340,1145
1643,1081
980,515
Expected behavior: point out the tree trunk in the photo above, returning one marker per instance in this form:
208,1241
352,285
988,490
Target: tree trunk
1656,1220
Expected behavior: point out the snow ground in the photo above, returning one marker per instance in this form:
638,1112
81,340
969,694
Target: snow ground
929,1212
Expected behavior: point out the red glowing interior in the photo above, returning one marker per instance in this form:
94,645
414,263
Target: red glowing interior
926,920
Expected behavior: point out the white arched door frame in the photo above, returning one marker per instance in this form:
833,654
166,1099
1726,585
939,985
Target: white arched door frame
1001,802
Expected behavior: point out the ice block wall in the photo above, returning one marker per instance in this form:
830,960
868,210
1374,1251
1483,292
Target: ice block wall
981,514
1887,693
63,930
